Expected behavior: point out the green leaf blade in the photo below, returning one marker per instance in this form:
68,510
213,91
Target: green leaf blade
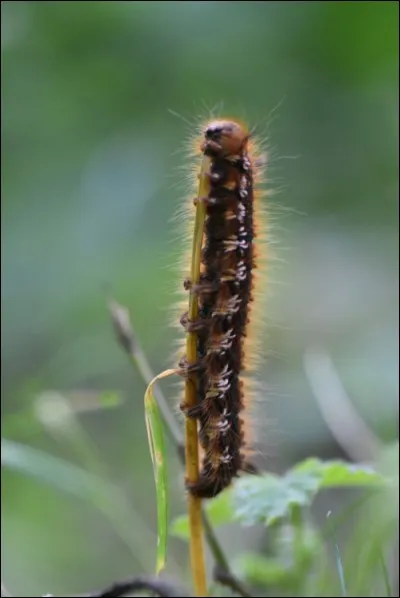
336,473
154,426
54,471
268,498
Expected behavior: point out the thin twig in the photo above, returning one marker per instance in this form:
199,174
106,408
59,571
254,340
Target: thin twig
160,587
219,557
226,579
129,342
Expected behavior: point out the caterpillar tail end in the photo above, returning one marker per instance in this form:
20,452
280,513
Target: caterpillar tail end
212,482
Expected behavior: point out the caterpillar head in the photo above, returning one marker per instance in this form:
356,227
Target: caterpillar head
224,138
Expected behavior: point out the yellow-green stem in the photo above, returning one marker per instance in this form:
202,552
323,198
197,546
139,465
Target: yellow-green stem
192,444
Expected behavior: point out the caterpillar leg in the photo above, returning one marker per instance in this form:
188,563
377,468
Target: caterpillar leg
187,284
209,200
203,287
186,369
216,197
192,411
197,325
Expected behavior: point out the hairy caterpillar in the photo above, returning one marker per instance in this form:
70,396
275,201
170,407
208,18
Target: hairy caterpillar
227,325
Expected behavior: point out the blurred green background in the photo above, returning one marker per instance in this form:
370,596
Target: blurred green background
92,175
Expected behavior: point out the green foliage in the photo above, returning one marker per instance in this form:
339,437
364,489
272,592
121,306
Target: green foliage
289,564
296,563
281,503
268,498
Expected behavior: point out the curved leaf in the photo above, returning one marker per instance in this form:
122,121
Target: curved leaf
154,426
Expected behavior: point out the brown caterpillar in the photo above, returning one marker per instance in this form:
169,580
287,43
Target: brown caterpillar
226,343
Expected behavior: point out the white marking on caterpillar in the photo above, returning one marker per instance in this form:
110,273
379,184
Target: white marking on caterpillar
223,383
246,163
231,307
224,426
220,385
242,212
221,345
241,271
225,457
227,341
231,244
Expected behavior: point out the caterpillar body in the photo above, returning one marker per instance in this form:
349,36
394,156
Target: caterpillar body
226,325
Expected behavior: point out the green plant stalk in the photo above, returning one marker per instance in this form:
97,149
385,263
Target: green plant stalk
191,434
142,366
385,572
129,343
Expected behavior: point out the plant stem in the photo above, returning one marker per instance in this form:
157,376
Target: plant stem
128,341
142,366
191,435
123,329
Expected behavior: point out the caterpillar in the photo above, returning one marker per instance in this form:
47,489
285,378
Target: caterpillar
228,323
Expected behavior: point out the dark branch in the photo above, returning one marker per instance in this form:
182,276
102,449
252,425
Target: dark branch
160,587
225,578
